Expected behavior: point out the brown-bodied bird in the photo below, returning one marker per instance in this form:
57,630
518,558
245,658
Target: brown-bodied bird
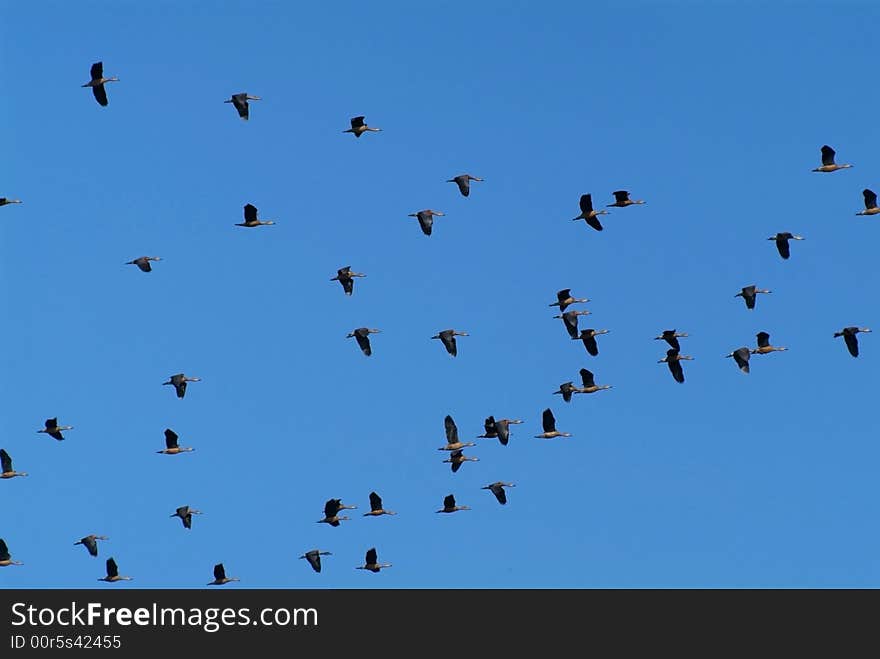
185,514
548,421
463,181
570,320
749,294
90,542
376,508
589,383
171,445
345,276
447,337
449,505
314,558
113,573
871,207
4,201
588,336
564,298
457,458
741,357
362,336
497,488
240,103
359,127
331,512
6,466
828,164
250,218
53,429
143,262
452,441
499,428
5,556
178,381
671,337
673,360
849,337
782,242
371,562
220,577
97,82
621,199
566,389
588,214
426,219
763,339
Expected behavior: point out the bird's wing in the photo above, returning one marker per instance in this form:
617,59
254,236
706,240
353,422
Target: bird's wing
852,343
4,551
677,372
219,572
332,507
250,213
170,438
464,185
763,339
5,461
449,501
364,342
620,195
595,223
591,345
587,378
426,220
97,71
112,569
451,430
586,203
499,493
91,545
548,421
827,155
100,94
783,247
870,198
371,557
375,501
357,122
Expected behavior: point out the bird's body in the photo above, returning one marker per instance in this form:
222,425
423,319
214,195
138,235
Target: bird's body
850,338
622,200
4,201
589,383
447,337
53,429
871,207
499,428
426,219
250,218
6,466
90,542
457,458
570,320
241,105
345,276
178,381
143,262
463,181
5,556
220,577
185,514
566,389
376,508
828,164
452,441
564,298
362,336
673,360
749,294
97,82
331,512
171,445
497,488
764,347
589,214
671,337
314,558
371,562
359,127
449,505
741,357
588,337
548,421
782,245
113,575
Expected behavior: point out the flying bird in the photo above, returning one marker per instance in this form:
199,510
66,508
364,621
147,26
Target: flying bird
589,383
240,102
345,276
870,203
564,298
376,508
458,458
763,340
588,214
250,218
185,514
782,242
749,294
499,428
497,488
358,127
741,357
426,219
171,445
53,429
570,320
362,336
5,556
449,505
849,337
314,558
673,360
220,577
588,336
671,337
113,573
331,512
548,421
90,542
6,466
371,562
828,164
143,262
452,441
621,199
464,183
178,381
566,389
447,337
97,82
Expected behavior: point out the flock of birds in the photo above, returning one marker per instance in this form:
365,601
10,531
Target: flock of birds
493,428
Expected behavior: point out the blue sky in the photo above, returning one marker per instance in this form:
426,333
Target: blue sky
712,112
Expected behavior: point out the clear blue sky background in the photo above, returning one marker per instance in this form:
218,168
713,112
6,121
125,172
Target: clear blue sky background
712,112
